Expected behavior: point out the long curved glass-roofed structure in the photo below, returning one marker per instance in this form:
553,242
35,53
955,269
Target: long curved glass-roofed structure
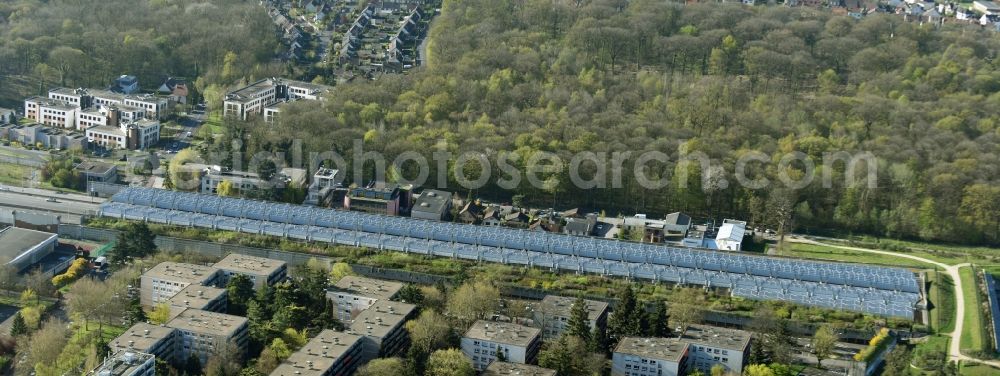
877,290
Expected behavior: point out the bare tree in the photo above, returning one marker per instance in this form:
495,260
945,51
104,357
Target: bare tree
40,348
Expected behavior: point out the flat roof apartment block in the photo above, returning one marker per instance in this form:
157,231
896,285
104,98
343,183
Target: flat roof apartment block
516,369
330,353
353,294
482,342
711,345
127,363
382,326
262,271
147,338
252,99
168,278
637,356
203,333
553,313
206,298
50,112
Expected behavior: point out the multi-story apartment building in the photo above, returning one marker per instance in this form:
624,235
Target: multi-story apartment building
352,294
204,333
127,363
271,113
205,298
153,107
330,353
383,327
137,135
245,181
166,279
75,97
712,345
516,369
143,134
91,117
379,198
325,181
147,338
262,271
107,137
637,356
51,112
253,99
518,343
553,313
105,97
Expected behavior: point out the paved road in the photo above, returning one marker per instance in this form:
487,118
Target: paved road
20,200
955,348
51,194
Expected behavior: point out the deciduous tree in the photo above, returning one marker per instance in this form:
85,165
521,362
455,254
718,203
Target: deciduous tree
824,341
449,362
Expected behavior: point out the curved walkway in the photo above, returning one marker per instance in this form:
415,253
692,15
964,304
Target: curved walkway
955,348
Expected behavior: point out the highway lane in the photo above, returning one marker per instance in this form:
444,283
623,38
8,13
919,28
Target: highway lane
17,200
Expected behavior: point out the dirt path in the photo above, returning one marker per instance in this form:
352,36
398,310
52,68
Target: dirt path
955,347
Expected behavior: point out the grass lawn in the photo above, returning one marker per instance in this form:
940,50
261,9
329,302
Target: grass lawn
12,174
946,253
820,252
941,293
215,125
972,369
973,336
109,332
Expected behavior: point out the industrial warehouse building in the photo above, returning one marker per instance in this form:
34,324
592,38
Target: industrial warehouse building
27,250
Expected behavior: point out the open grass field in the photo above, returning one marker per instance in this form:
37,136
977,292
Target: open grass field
12,174
941,293
946,253
820,252
972,369
973,332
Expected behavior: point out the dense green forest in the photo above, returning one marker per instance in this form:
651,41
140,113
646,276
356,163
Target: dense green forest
78,43
723,79
564,77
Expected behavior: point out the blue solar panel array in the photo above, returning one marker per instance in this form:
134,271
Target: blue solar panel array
877,290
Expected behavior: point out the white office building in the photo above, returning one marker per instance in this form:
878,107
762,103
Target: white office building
50,112
253,99
137,135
